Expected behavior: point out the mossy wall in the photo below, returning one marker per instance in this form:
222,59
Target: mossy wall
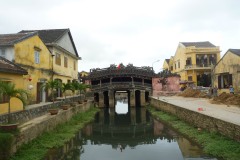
199,120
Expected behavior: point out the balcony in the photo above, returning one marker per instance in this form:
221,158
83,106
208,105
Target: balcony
198,67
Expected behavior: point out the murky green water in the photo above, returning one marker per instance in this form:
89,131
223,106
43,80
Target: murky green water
127,133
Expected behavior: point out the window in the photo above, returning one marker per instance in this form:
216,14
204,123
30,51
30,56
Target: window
205,60
58,59
178,63
37,57
224,80
74,65
2,53
189,61
65,62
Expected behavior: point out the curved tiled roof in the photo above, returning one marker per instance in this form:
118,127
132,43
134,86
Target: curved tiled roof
7,66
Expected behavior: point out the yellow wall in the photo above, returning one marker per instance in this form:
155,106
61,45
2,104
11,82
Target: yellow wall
83,73
24,54
230,63
64,73
165,65
15,103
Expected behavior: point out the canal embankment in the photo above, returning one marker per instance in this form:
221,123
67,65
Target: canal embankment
56,137
212,143
36,120
200,113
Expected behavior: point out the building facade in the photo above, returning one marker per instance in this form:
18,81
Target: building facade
194,61
29,52
227,71
63,54
46,55
11,73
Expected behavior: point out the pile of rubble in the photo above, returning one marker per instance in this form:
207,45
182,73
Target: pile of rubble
223,98
228,99
189,92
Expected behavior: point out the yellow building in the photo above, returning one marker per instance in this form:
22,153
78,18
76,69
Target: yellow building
82,75
64,54
227,71
193,61
29,52
168,64
10,72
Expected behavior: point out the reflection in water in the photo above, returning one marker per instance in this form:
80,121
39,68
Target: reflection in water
134,136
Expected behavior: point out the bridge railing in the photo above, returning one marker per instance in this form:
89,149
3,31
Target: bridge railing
123,85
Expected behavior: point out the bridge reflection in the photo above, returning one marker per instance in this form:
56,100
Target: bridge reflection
122,131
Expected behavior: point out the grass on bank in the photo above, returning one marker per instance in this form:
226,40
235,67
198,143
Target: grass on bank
213,143
38,148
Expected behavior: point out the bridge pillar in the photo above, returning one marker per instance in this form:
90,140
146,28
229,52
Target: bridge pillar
101,99
132,98
143,101
111,98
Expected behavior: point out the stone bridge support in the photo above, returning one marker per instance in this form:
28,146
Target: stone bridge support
101,99
132,98
111,98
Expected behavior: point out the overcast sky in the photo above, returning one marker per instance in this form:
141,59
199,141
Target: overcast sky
128,31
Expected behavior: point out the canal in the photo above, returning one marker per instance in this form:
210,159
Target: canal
127,133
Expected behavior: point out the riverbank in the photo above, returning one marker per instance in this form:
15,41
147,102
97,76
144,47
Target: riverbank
37,148
213,143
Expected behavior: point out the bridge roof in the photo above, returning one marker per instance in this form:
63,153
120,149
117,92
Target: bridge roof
121,71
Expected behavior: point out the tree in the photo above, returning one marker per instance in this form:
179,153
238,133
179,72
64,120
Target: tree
52,85
9,91
67,86
80,87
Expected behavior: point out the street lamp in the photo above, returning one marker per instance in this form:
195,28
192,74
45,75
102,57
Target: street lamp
154,62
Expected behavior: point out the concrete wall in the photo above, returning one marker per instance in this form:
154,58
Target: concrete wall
199,120
32,111
171,86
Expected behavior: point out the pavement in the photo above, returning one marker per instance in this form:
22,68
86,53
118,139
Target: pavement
228,113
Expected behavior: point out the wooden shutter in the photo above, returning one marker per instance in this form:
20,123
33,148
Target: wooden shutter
219,82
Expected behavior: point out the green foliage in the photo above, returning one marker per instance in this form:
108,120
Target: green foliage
38,148
51,85
67,86
9,90
212,143
6,140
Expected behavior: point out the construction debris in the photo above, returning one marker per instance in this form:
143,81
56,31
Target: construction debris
223,98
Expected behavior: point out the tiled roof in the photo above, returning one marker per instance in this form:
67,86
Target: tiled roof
167,60
7,66
48,36
206,44
10,39
235,51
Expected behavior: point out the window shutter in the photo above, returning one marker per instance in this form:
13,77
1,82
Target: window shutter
219,82
230,79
